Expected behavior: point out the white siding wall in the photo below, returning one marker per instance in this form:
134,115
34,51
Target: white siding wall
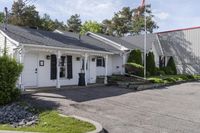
184,46
117,63
100,71
43,78
1,44
9,45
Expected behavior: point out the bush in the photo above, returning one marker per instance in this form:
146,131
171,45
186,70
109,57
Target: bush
135,57
151,65
136,69
9,73
171,66
159,72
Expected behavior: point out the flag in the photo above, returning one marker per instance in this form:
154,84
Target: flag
143,3
141,8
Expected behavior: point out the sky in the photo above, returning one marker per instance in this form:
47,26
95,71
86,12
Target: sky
169,14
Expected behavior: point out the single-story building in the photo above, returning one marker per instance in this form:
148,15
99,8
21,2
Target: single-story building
56,59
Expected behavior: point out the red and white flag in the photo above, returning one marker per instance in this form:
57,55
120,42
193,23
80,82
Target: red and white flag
143,3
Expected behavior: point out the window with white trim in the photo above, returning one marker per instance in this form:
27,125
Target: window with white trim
100,62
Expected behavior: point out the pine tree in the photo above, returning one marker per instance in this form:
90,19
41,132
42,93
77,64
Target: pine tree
172,66
151,66
74,23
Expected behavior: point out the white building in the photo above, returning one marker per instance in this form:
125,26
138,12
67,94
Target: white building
55,59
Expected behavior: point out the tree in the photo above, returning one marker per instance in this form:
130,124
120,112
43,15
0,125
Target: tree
172,66
151,66
135,57
91,26
74,23
138,23
129,21
23,15
1,17
47,23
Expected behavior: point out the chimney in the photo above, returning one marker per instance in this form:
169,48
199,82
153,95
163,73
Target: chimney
5,18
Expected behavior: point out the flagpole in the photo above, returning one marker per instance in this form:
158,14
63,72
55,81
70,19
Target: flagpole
145,42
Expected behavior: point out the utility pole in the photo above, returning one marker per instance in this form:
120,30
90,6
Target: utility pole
145,42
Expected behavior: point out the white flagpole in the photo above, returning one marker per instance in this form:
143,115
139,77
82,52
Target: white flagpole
145,42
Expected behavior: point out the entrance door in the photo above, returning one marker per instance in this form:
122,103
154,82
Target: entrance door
92,70
30,70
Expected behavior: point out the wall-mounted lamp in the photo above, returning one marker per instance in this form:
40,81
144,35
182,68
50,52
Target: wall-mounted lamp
48,57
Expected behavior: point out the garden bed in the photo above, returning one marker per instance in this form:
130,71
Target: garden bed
52,122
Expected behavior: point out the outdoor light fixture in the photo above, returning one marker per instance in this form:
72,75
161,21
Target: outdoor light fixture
48,57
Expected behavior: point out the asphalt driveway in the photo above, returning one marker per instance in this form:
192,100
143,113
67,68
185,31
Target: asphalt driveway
173,109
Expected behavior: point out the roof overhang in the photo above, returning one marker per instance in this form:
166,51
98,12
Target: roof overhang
109,42
67,49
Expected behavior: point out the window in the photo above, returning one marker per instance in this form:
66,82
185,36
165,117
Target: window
63,67
100,62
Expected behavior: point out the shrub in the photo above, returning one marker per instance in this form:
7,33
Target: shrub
9,73
136,69
171,66
159,72
135,57
151,65
156,80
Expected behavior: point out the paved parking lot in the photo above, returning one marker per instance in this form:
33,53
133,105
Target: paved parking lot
173,109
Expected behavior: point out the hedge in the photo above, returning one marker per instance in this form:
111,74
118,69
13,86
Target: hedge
9,73
173,78
136,69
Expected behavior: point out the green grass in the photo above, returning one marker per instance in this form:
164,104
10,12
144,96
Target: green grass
51,122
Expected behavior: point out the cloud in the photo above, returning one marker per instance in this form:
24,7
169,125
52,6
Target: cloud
88,9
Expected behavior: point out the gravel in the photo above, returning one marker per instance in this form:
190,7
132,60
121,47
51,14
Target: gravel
18,115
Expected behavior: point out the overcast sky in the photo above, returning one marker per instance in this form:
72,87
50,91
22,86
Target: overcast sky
169,14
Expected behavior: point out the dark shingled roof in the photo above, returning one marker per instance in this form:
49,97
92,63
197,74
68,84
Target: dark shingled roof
46,38
138,40
90,40
120,41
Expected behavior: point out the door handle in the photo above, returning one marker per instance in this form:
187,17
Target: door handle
36,70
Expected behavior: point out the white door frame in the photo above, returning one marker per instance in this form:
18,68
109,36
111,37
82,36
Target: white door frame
36,74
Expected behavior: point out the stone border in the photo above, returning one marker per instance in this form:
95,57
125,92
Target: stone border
98,126
141,87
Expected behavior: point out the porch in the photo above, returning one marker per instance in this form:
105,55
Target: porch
58,67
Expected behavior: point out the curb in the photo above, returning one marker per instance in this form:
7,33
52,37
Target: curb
98,126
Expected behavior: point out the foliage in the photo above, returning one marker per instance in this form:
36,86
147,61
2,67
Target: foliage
46,23
173,78
172,66
27,15
138,23
135,57
9,74
151,66
128,21
91,26
136,69
51,122
1,17
23,15
74,23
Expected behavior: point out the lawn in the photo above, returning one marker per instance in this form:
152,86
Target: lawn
51,122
